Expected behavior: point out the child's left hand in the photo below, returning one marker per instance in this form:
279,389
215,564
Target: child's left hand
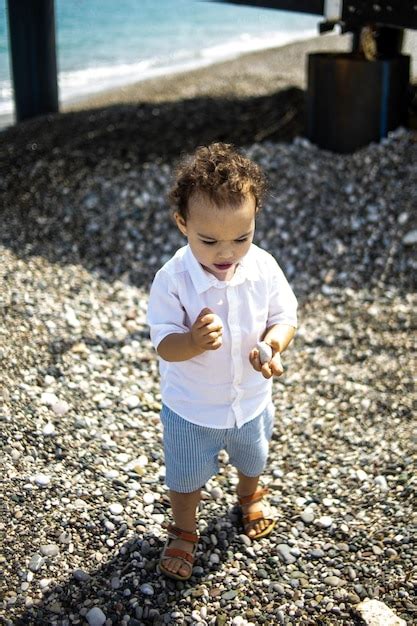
273,367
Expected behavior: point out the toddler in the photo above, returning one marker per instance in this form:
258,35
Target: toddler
209,305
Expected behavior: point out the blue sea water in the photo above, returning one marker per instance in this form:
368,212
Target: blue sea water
106,43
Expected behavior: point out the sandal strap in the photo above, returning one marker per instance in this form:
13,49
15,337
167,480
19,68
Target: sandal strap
178,554
185,535
252,517
253,497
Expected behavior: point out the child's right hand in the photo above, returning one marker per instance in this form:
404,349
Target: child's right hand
206,332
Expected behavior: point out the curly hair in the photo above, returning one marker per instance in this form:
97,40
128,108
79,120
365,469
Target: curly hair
220,172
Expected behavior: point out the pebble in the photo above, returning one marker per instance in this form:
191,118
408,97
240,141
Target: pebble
49,398
376,613
36,563
245,540
50,549
216,493
334,581
307,516
381,483
410,238
325,521
230,595
147,589
48,429
285,552
95,617
42,480
317,553
81,576
60,408
116,508
148,498
265,352
132,402
361,475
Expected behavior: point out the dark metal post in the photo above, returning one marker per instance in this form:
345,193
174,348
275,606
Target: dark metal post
33,55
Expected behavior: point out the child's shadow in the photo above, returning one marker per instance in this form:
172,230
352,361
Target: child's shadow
130,583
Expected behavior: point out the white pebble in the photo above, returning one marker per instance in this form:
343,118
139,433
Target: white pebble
216,493
148,498
111,474
42,480
71,317
361,475
49,398
265,352
325,521
142,460
381,482
60,408
376,613
48,429
307,516
132,402
116,508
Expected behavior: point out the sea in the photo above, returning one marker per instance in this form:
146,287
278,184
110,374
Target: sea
102,44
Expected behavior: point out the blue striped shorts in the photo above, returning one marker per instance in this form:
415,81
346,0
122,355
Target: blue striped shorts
191,451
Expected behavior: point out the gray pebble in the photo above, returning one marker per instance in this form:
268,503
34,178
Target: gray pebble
334,581
81,576
284,551
95,617
147,589
36,563
50,549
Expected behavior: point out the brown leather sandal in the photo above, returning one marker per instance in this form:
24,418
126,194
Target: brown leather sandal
175,553
249,519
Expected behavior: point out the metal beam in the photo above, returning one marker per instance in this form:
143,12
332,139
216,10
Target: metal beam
314,7
33,57
353,13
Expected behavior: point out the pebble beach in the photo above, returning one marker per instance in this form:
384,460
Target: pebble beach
84,227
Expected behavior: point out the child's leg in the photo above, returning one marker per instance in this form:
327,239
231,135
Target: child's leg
184,508
247,485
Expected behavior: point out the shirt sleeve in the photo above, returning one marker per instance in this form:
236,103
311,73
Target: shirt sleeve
282,301
165,314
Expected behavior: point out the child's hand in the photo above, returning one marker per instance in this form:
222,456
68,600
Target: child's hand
206,332
270,368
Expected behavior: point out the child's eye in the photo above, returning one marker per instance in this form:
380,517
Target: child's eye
208,243
241,240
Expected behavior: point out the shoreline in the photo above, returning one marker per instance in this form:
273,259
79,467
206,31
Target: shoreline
253,73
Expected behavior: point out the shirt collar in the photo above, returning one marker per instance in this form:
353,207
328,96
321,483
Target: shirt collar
203,280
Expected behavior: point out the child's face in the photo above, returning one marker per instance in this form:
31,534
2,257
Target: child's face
218,237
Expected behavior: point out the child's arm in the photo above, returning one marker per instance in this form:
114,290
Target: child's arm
205,334
279,336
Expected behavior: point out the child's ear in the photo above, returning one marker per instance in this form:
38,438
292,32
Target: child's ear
181,223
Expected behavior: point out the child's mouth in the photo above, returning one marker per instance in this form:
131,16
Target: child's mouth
223,266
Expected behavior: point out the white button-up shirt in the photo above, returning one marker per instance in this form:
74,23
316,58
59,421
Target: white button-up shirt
219,388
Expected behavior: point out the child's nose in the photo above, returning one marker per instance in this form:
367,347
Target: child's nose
226,253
